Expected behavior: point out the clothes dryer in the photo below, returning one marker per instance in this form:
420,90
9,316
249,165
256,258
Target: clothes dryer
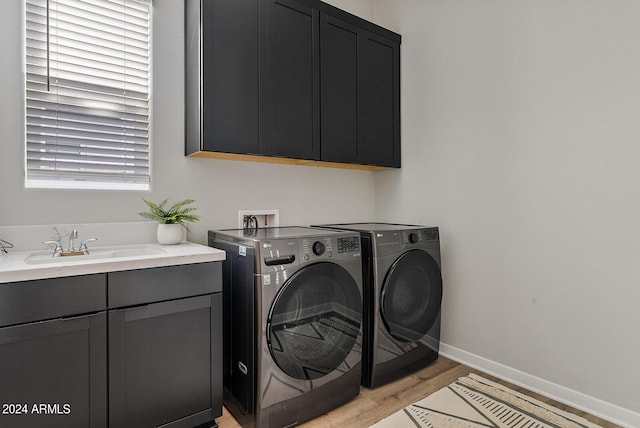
402,298
292,322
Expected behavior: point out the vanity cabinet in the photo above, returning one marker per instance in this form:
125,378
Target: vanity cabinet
138,348
53,355
165,346
294,81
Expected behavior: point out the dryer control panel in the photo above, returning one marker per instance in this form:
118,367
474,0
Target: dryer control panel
418,236
394,241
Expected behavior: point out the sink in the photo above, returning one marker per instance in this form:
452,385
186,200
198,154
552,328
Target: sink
43,257
138,251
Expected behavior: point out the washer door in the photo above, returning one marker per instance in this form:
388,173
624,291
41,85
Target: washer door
411,296
314,321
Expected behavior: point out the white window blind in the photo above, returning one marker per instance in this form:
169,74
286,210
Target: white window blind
87,94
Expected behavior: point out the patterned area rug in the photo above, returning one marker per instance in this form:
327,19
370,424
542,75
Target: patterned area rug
473,401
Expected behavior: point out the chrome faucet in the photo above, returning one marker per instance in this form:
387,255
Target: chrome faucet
73,235
57,250
58,247
83,246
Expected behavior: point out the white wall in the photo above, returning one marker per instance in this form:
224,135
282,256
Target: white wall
304,195
521,140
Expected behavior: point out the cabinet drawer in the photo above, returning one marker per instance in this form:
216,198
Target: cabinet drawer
142,286
28,301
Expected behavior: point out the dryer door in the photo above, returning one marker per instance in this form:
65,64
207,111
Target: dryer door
314,321
411,296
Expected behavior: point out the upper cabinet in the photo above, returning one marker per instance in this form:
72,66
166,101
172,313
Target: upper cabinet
222,85
290,76
360,94
293,81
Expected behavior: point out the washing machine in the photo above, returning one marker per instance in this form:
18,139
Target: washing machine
402,298
292,343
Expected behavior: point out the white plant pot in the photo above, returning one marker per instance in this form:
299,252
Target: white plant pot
170,234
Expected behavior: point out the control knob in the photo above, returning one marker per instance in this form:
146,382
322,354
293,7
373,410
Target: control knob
318,248
413,238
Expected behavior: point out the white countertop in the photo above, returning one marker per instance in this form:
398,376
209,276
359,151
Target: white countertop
13,266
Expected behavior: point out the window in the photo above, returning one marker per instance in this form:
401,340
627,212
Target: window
87,94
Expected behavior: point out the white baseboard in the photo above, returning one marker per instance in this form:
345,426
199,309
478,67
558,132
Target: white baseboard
610,412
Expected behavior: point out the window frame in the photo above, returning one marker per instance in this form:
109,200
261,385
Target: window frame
85,133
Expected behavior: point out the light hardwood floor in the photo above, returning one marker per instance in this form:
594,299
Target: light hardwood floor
373,405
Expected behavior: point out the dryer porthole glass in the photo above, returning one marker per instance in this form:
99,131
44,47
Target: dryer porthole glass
411,296
314,321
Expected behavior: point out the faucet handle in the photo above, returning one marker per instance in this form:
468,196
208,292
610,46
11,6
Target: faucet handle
58,247
83,245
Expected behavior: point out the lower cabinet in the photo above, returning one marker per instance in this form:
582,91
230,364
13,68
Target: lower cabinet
165,363
165,346
54,373
137,349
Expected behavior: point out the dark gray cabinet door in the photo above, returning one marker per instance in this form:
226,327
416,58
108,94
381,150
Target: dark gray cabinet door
290,102
54,373
165,363
360,108
230,91
339,83
222,76
379,101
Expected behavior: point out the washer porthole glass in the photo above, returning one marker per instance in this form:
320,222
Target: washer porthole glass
315,321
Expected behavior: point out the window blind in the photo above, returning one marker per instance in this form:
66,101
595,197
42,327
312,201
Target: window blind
87,94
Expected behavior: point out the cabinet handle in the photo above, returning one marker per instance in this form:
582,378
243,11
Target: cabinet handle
243,368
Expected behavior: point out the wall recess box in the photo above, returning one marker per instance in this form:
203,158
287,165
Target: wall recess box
266,218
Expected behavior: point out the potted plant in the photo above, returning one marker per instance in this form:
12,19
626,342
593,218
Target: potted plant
171,220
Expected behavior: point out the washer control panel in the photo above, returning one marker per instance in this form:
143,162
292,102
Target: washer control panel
413,237
342,247
317,248
431,234
350,244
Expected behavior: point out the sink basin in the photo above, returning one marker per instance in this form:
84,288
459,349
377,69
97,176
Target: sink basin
42,257
138,251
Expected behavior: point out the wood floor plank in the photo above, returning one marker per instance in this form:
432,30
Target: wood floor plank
372,405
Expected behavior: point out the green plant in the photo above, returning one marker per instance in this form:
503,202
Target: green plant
178,213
